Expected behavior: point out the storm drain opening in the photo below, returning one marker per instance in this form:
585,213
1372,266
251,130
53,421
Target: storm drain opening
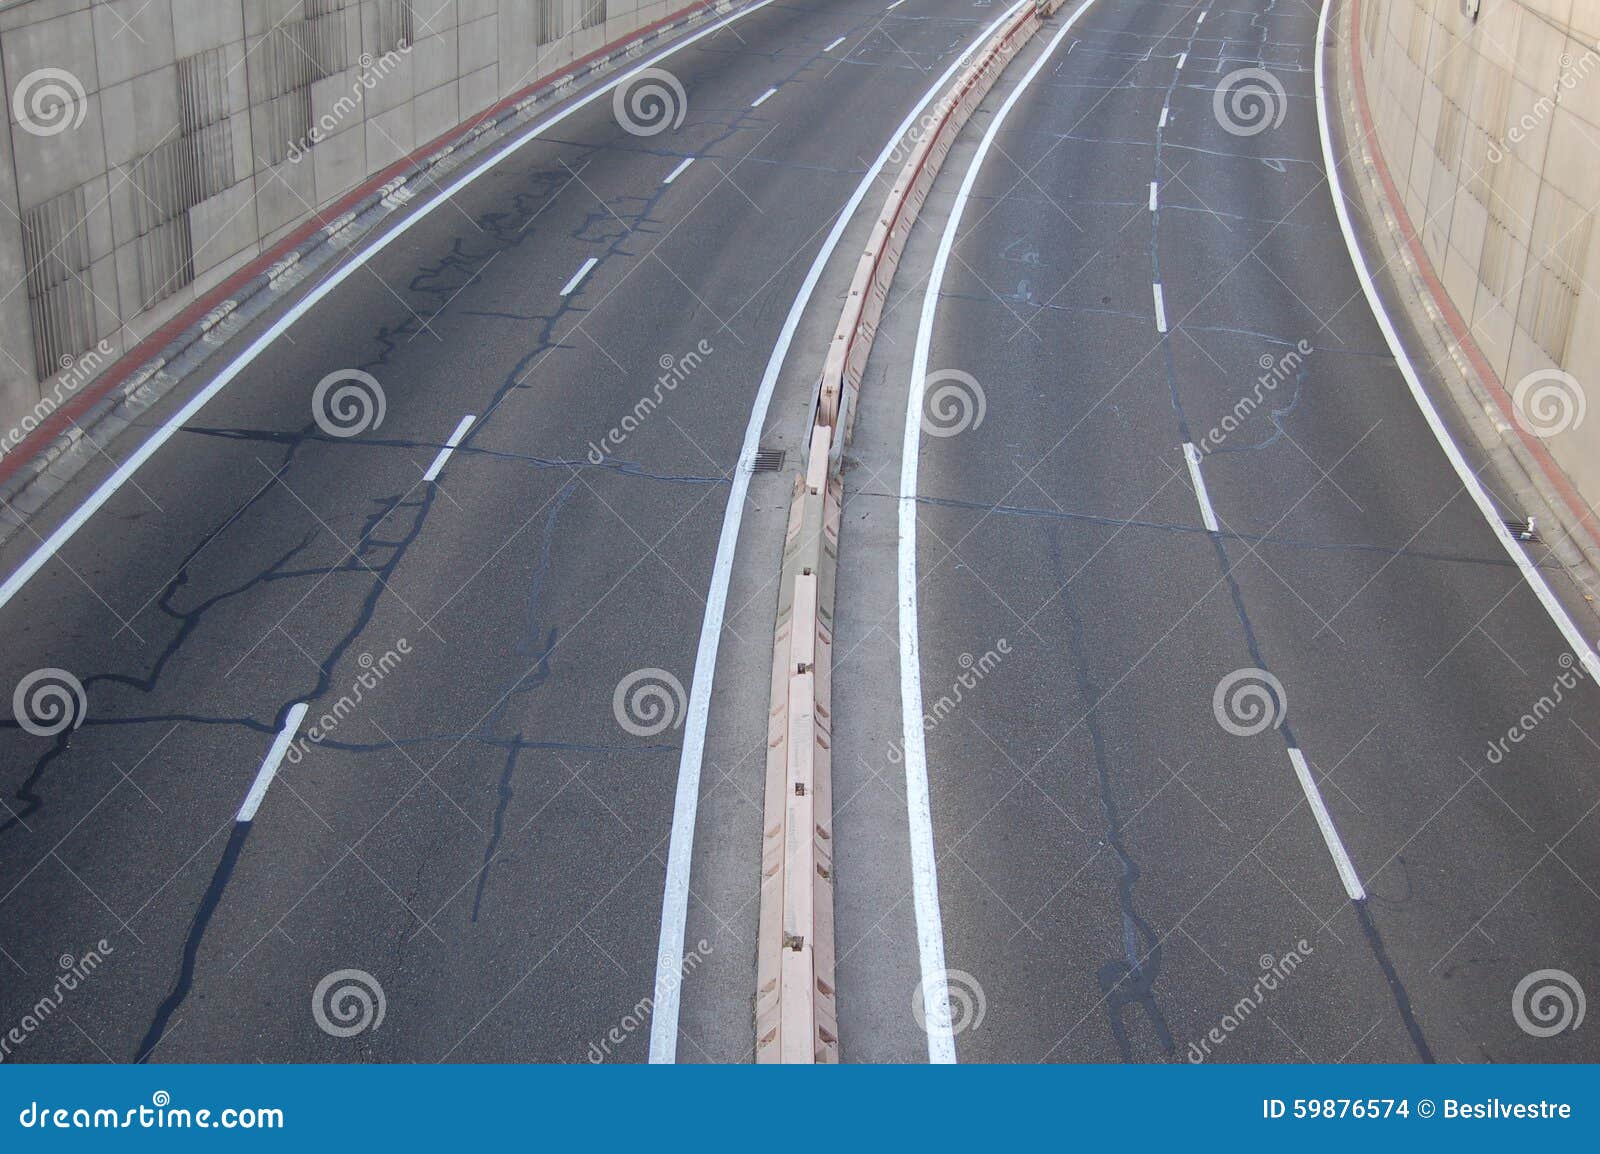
768,460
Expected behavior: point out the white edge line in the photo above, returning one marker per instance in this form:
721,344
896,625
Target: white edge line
1161,308
1152,196
675,896
269,765
763,98
577,277
91,504
449,447
834,45
919,806
1580,646
1207,513
1341,859
679,171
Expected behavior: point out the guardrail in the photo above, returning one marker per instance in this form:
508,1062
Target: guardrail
796,1008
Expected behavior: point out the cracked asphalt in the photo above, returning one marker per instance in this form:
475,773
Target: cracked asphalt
1123,856
471,827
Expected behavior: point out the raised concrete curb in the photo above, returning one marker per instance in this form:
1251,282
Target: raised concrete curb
1539,488
796,1000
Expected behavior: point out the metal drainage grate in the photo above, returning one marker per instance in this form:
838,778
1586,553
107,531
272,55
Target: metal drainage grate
768,460
1523,530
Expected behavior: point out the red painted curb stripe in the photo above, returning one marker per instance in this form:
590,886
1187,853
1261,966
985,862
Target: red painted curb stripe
1458,327
131,361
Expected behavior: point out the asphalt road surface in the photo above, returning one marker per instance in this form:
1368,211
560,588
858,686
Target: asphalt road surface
387,730
1128,868
476,832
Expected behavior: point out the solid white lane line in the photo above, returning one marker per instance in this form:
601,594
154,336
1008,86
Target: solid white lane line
834,45
677,172
449,447
763,98
577,277
1207,514
919,806
1330,835
1161,309
269,767
1579,644
1162,123
64,533
1152,196
1182,56
686,803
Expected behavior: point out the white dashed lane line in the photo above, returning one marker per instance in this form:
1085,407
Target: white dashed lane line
1182,56
449,447
834,45
763,98
1191,455
677,172
269,767
1161,308
1341,859
1152,196
1162,123
577,277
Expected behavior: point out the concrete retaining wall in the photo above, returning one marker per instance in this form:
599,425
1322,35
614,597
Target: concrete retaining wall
1488,117
155,146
